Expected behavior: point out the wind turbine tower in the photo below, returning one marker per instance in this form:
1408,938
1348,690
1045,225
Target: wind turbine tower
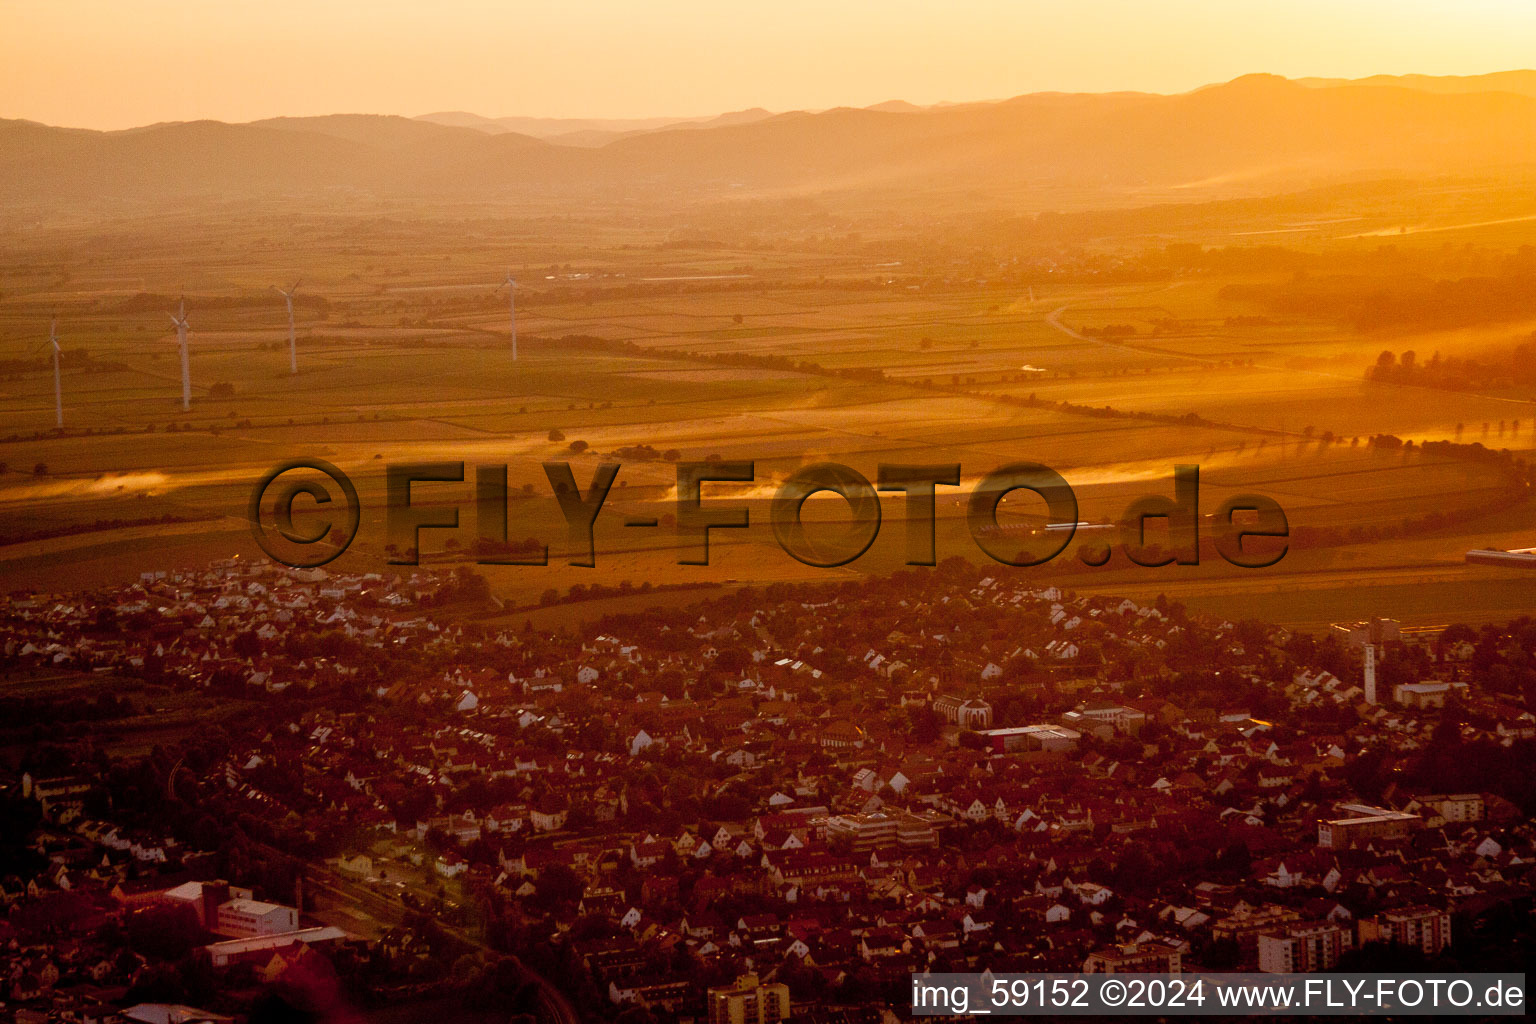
511,285
293,348
180,320
58,387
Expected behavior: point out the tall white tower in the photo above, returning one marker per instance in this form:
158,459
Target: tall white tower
58,388
1370,673
511,285
180,320
293,348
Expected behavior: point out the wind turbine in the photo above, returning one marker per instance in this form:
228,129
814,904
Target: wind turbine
511,285
58,388
180,320
293,348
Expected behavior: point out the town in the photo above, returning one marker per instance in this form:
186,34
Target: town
774,804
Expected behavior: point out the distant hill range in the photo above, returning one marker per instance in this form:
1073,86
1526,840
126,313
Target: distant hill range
1522,82
587,131
1254,132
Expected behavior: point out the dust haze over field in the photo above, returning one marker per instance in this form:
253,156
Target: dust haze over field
1317,290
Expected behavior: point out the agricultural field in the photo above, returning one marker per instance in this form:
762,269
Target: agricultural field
811,338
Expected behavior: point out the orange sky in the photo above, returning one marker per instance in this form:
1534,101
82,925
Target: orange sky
109,64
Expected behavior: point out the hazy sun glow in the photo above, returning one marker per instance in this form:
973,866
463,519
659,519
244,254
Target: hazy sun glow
96,63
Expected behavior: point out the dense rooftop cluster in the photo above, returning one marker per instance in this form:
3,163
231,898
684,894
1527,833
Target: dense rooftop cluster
828,787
